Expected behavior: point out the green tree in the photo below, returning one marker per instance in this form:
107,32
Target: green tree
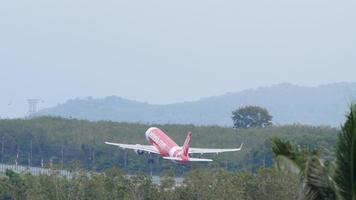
272,184
116,185
345,172
142,187
17,185
167,180
50,136
314,177
251,116
318,179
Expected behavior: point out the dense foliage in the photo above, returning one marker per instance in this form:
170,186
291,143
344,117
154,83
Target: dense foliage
345,172
198,185
251,116
322,179
80,143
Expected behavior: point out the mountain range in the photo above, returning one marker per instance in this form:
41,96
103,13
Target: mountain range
287,103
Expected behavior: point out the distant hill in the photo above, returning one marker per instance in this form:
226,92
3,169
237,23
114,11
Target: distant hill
321,105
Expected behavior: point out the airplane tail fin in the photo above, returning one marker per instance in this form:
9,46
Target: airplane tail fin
187,144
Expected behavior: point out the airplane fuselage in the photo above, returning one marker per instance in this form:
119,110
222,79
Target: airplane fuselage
165,145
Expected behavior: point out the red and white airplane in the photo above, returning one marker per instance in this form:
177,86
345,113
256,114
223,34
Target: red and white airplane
168,149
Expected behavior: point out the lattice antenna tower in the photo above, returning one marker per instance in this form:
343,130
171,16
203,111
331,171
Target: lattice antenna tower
32,106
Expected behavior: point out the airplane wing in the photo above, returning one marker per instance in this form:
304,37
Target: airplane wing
206,150
147,148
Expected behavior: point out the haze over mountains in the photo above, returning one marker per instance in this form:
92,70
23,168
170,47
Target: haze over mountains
168,51
321,105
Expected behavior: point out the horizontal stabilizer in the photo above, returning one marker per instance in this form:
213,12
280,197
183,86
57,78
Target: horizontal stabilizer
190,159
200,160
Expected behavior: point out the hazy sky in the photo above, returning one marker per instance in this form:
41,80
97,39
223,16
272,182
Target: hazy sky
163,51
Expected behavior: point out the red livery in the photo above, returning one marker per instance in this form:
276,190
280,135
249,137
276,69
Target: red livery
168,149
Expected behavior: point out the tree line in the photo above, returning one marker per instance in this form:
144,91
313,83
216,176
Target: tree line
301,172
199,184
71,143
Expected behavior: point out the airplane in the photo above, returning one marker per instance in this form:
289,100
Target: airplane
163,145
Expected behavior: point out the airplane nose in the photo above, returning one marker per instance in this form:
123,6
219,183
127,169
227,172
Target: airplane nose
147,133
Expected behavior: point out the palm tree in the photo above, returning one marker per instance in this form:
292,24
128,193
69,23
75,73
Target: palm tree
314,178
345,171
337,180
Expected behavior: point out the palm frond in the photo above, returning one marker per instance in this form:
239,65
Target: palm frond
297,155
345,172
314,175
318,185
284,163
282,148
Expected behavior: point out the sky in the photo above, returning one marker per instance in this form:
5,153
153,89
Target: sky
162,52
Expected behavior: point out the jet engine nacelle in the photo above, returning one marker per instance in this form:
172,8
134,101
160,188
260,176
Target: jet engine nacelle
139,152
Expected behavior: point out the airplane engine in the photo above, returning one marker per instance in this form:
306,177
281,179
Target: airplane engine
139,152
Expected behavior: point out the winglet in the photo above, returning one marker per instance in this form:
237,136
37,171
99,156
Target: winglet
187,144
242,144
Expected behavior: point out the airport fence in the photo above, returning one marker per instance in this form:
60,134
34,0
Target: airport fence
64,173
